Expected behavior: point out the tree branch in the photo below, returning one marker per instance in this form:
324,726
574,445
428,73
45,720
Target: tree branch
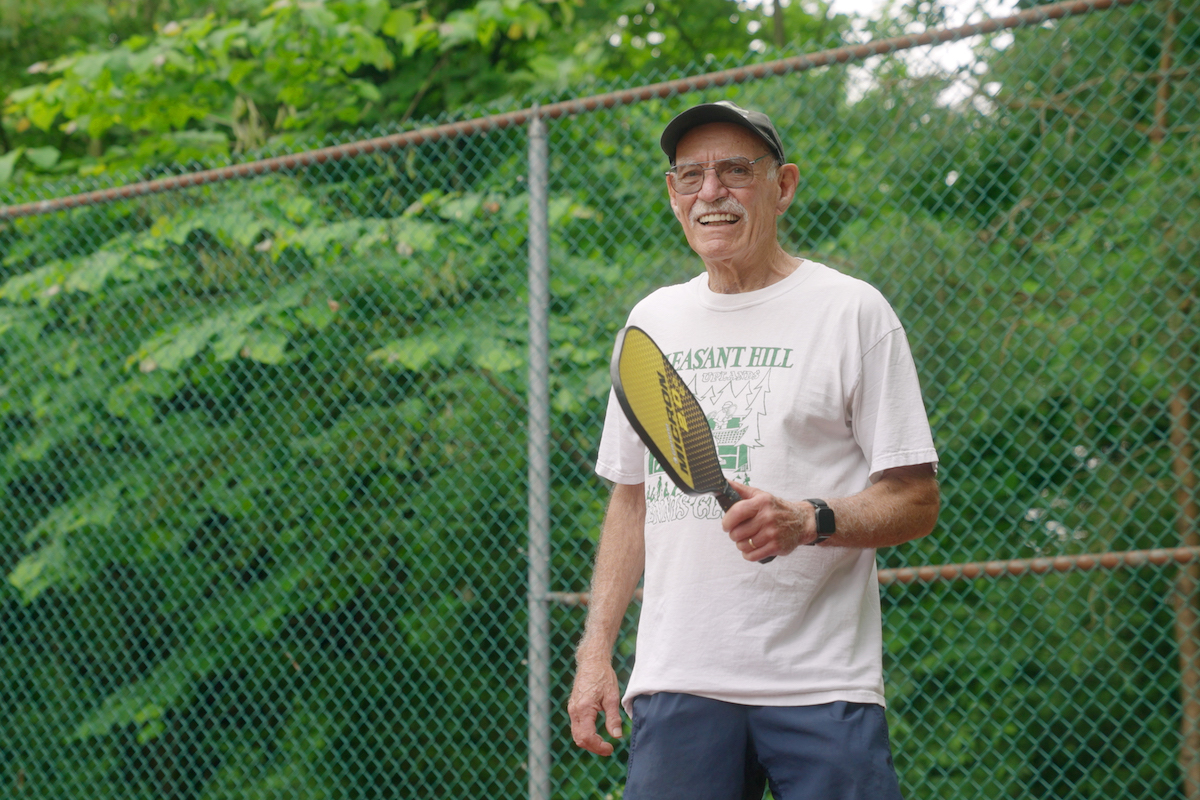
426,85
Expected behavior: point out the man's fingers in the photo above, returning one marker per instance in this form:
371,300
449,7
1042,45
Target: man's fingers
583,731
583,726
595,744
755,551
612,717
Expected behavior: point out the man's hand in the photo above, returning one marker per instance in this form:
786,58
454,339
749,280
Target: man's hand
596,691
764,525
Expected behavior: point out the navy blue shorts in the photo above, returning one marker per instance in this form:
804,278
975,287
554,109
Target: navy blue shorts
693,748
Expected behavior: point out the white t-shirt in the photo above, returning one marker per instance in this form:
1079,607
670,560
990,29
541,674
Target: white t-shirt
812,392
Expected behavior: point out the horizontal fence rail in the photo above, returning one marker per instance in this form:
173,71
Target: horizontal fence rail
1012,568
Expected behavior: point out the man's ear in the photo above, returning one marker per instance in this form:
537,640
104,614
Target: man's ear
674,205
789,182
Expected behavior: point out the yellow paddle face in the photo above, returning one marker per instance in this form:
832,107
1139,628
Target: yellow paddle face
666,415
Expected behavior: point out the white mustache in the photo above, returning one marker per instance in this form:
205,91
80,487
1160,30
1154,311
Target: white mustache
726,205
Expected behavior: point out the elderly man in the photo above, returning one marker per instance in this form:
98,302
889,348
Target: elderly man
750,674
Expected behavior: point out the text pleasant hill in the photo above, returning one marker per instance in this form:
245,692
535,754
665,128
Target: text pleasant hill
731,357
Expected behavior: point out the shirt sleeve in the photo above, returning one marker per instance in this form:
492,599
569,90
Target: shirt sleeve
887,412
622,457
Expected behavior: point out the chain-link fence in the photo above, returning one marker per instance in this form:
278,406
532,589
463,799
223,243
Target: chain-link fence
266,509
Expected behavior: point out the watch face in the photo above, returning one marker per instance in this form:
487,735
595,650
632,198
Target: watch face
823,518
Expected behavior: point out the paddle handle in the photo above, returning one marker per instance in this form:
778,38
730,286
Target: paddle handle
727,497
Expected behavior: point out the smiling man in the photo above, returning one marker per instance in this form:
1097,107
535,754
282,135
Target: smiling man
750,674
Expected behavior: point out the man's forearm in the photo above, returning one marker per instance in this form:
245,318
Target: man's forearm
620,561
899,508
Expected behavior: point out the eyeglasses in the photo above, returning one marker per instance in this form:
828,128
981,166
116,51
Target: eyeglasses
734,173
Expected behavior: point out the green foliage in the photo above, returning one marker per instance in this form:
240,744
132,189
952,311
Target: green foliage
209,85
235,427
1004,725
292,68
219,82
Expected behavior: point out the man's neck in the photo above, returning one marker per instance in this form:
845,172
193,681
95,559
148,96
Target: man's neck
728,277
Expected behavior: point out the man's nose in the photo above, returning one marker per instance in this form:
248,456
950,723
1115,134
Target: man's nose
712,188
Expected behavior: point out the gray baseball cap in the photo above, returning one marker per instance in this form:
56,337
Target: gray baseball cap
723,111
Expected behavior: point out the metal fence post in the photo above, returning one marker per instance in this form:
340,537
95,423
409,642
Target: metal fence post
539,466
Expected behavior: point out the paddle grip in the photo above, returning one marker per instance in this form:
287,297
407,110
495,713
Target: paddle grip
727,497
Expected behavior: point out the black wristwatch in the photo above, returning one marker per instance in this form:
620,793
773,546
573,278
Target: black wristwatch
825,523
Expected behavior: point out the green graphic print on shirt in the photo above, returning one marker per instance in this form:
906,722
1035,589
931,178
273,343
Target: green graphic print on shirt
733,385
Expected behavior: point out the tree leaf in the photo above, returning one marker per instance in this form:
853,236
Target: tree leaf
163,687
23,322
44,157
8,162
498,358
93,271
414,354
229,344
399,22
316,316
267,346
38,571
